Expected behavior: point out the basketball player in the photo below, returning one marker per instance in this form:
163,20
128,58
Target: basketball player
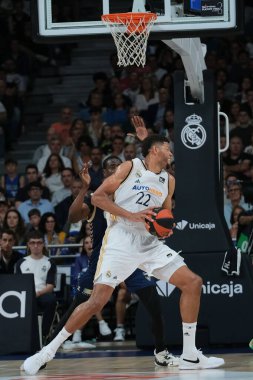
138,186
137,283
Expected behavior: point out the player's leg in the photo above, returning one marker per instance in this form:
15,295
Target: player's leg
83,292
78,299
80,316
145,288
47,303
190,285
123,297
150,299
165,264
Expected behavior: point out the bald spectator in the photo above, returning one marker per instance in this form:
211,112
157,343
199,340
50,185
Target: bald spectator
129,152
44,150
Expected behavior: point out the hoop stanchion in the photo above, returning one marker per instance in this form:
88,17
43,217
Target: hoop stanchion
130,32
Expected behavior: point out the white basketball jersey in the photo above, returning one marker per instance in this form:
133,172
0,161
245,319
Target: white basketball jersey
141,189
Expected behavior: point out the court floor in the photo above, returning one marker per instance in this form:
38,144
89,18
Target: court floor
122,363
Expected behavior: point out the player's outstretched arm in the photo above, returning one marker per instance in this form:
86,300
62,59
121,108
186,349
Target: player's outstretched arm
79,210
168,201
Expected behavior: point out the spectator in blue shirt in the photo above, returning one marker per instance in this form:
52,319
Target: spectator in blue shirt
35,201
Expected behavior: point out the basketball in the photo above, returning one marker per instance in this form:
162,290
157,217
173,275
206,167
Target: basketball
163,222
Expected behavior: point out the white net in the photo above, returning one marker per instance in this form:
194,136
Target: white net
130,32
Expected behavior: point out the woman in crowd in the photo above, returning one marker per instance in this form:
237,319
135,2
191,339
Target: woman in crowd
14,222
51,176
48,226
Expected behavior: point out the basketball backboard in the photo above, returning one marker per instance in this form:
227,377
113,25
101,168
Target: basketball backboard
177,18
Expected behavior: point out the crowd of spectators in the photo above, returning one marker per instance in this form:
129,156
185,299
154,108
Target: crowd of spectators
101,124
39,199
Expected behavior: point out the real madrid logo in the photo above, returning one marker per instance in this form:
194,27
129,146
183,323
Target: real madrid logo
193,135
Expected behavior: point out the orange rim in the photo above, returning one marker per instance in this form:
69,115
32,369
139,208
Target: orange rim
131,20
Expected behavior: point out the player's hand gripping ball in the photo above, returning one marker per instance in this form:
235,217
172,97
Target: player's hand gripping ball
163,223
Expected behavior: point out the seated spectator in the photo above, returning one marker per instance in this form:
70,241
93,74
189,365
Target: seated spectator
44,150
67,177
128,126
117,148
34,201
233,114
48,227
129,152
81,265
245,228
231,179
11,181
82,260
83,152
154,115
105,142
44,271
147,96
55,147
234,230
94,103
62,209
12,76
13,105
8,257
117,130
249,148
13,221
235,199
133,87
31,175
154,68
248,105
51,176
243,127
236,161
3,210
78,128
34,220
95,126
118,112
62,127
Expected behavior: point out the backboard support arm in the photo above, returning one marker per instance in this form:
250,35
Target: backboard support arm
192,53
139,6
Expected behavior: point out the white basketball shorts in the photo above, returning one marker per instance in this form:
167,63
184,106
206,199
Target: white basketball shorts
124,250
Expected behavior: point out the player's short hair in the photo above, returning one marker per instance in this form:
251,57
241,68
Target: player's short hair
150,141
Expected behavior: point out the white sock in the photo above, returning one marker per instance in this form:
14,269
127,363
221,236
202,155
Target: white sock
58,340
101,322
189,335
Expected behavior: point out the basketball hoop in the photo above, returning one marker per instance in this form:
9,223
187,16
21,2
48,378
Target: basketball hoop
130,32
